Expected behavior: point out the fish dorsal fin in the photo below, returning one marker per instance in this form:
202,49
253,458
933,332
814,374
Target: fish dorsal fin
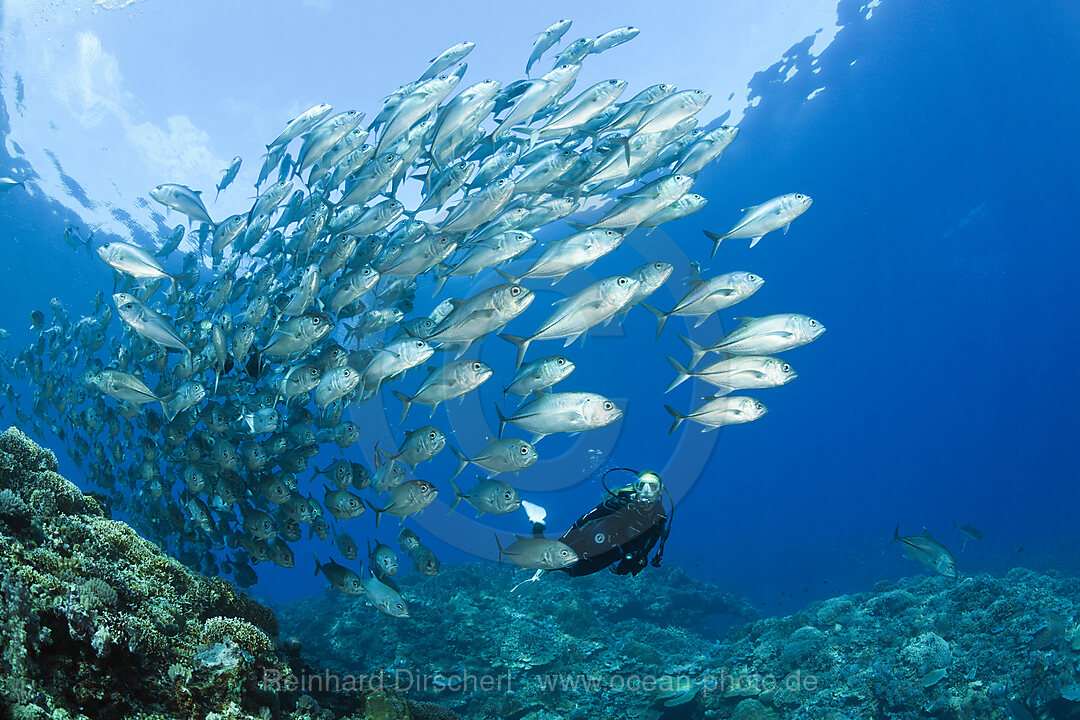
750,208
744,320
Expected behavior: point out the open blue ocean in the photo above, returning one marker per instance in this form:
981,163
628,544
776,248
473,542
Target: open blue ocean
922,466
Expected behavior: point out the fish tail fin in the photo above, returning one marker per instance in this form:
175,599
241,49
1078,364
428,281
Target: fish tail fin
696,351
498,545
378,513
457,495
462,461
624,142
169,414
507,276
716,240
318,565
502,420
682,374
679,417
661,317
406,403
442,272
895,534
578,226
522,345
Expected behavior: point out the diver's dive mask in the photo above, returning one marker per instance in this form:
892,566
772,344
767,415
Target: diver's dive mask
647,487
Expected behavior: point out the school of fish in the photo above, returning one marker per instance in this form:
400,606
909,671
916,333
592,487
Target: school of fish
198,392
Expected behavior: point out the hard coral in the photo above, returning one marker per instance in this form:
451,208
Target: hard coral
251,639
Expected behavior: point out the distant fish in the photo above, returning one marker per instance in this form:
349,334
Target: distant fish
970,532
928,552
7,183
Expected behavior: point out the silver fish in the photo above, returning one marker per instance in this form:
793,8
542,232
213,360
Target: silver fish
760,219
928,552
569,412
721,411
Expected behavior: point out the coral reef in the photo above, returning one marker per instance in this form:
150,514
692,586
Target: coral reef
982,647
96,622
609,647
465,629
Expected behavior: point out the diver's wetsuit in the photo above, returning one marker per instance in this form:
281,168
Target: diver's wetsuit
617,530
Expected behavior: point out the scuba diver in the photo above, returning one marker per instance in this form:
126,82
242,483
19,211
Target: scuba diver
621,531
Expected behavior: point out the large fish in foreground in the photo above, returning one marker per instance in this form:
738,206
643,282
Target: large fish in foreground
928,552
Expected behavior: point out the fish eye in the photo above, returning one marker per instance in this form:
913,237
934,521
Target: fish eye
608,405
759,406
313,371
560,361
515,291
622,281
785,367
508,495
798,196
419,343
658,266
524,450
813,322
563,553
432,435
610,233
315,320
476,366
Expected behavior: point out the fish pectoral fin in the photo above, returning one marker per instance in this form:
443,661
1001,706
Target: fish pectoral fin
755,241
786,228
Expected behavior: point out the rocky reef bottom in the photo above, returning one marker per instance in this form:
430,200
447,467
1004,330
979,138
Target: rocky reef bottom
96,622
615,647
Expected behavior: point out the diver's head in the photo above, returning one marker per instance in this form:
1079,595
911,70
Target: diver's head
647,487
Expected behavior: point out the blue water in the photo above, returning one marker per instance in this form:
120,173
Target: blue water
938,253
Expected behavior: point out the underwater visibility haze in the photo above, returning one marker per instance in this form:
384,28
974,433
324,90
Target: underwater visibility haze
548,361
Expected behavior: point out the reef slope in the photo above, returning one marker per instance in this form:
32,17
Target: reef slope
653,647
97,622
